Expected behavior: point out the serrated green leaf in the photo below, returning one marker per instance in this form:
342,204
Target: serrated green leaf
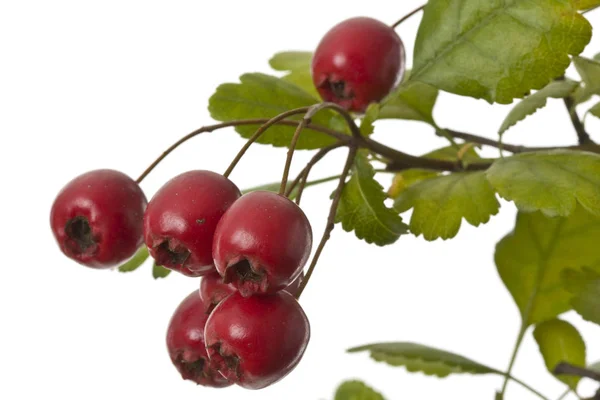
356,390
595,110
551,181
585,4
411,101
532,103
159,272
297,65
459,49
362,208
584,285
264,96
559,341
367,126
419,358
440,204
136,261
532,258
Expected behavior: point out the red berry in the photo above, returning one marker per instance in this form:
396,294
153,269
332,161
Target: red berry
213,290
261,243
256,341
359,61
185,342
97,218
181,218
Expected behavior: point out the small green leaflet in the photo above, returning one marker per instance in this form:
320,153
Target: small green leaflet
458,48
589,70
595,367
362,209
160,272
264,96
559,341
584,285
297,66
532,258
419,358
551,181
528,106
411,101
136,261
595,110
356,390
367,126
439,204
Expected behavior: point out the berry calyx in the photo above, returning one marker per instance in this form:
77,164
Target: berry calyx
185,343
261,243
256,341
359,61
97,218
181,218
213,290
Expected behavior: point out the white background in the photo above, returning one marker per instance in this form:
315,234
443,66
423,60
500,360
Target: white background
87,85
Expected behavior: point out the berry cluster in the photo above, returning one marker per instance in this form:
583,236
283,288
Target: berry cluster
244,324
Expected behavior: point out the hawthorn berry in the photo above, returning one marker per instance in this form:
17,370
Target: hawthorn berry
185,343
256,341
213,290
97,218
359,61
181,218
261,243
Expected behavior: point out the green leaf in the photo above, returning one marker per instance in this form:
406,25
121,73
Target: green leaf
595,367
585,287
459,48
367,126
411,101
362,207
595,110
585,4
136,261
419,358
264,96
551,181
559,341
440,204
356,390
556,90
589,70
532,258
297,65
160,272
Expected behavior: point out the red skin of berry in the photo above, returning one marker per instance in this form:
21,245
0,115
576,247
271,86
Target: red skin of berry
358,62
181,218
213,290
97,218
256,341
261,243
185,342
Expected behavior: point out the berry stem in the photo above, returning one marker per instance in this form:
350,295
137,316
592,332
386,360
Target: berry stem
330,218
407,16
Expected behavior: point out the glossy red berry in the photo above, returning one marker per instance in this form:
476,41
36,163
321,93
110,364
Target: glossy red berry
261,243
359,61
181,218
185,342
213,290
256,341
97,218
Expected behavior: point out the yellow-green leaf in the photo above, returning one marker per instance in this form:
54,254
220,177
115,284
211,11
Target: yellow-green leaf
410,101
584,285
585,4
296,64
136,261
159,272
356,390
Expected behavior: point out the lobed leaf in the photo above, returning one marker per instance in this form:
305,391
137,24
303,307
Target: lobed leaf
419,358
362,208
356,390
584,285
532,258
459,49
136,261
551,181
410,101
595,110
297,64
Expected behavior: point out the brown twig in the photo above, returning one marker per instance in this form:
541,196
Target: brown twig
582,136
573,370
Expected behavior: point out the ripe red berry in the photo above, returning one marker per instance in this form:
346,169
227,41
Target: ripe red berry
181,218
256,341
213,290
359,61
261,243
97,218
185,342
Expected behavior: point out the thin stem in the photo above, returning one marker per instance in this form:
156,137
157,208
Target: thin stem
485,141
526,386
590,9
573,370
407,16
513,358
565,394
330,218
582,135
